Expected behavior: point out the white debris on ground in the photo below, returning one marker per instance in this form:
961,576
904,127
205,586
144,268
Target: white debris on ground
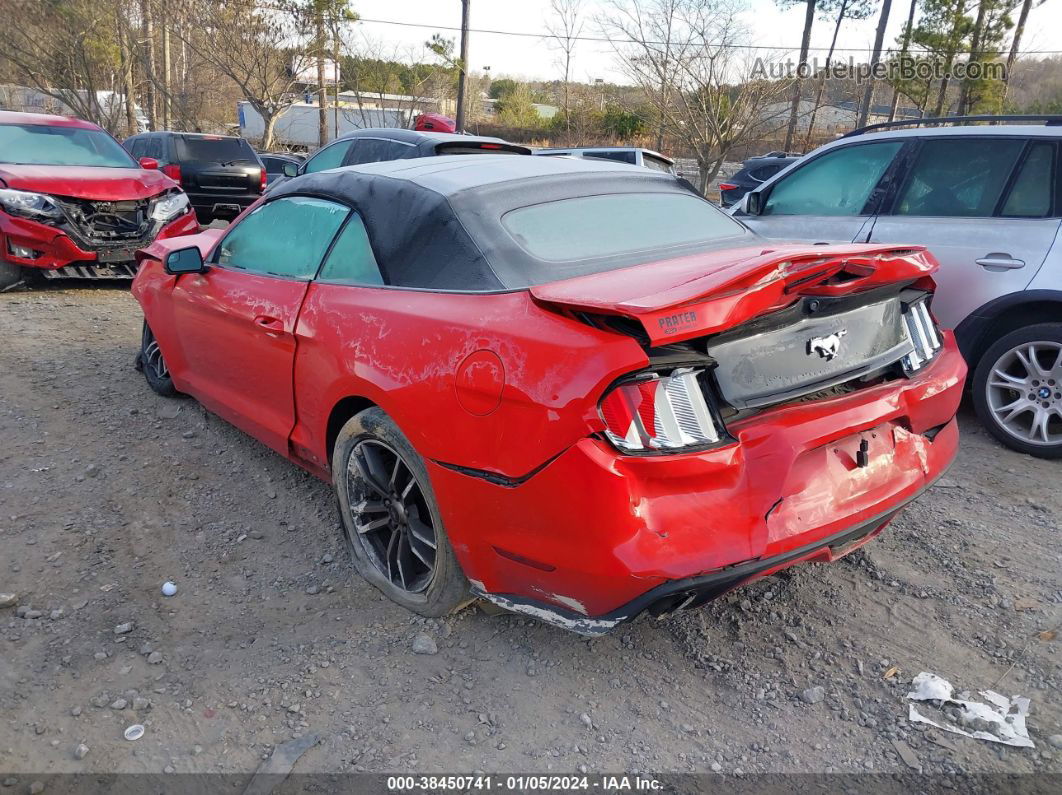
1002,720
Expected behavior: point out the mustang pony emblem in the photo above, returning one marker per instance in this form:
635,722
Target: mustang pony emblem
828,346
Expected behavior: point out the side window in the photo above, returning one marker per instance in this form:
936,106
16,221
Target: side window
136,148
837,183
153,148
351,260
375,150
958,178
1030,197
764,173
329,157
287,237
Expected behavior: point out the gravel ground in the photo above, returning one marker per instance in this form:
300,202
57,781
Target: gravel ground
107,491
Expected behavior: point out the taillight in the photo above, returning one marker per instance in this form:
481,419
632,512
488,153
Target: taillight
923,334
173,171
727,186
659,413
262,182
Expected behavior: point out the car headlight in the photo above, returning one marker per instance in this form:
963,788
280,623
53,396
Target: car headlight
29,204
169,206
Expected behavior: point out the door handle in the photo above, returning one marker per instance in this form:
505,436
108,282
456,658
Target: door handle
1000,262
269,324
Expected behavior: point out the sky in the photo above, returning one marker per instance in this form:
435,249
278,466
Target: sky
530,57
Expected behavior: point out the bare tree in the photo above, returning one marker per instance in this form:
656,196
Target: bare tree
805,45
397,78
708,103
128,86
904,49
257,48
147,44
844,9
1015,42
66,52
565,26
875,58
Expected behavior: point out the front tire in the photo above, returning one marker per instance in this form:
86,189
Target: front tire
1017,390
391,519
151,362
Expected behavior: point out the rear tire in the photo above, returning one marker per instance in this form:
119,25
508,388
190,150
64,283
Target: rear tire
151,362
391,519
1017,390
10,275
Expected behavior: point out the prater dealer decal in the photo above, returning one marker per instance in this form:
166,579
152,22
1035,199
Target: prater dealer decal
672,324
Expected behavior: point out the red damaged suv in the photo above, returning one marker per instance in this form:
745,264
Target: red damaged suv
74,203
571,387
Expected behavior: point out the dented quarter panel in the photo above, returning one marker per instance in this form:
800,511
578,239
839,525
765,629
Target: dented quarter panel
402,350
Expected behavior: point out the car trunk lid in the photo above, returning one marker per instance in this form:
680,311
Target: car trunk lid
693,296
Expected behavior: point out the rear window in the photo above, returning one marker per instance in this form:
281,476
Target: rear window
590,227
656,164
625,156
211,149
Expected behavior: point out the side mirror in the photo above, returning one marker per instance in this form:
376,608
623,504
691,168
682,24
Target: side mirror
184,260
753,204
149,163
290,170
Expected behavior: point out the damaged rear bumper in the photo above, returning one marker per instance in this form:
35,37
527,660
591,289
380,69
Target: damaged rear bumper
695,591
596,537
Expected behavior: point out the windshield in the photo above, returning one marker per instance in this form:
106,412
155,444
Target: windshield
39,145
591,227
213,149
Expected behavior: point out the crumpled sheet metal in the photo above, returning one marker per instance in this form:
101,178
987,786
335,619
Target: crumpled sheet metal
1004,716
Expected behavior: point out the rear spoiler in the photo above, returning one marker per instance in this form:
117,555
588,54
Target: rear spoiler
486,146
703,294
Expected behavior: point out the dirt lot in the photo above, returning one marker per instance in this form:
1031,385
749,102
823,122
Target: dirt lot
107,491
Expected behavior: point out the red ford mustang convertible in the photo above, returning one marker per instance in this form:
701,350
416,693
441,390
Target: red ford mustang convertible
573,388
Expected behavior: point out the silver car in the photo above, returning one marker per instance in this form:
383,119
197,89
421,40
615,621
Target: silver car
636,156
987,202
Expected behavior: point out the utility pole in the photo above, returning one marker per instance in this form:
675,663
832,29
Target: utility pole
164,23
462,66
147,40
127,76
322,95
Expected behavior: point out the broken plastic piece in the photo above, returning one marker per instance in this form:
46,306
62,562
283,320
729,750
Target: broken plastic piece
1002,720
134,732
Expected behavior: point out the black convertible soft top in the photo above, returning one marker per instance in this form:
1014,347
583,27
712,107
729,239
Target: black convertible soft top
435,222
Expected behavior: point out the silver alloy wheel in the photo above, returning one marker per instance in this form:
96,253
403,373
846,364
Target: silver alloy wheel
153,359
390,515
1024,392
